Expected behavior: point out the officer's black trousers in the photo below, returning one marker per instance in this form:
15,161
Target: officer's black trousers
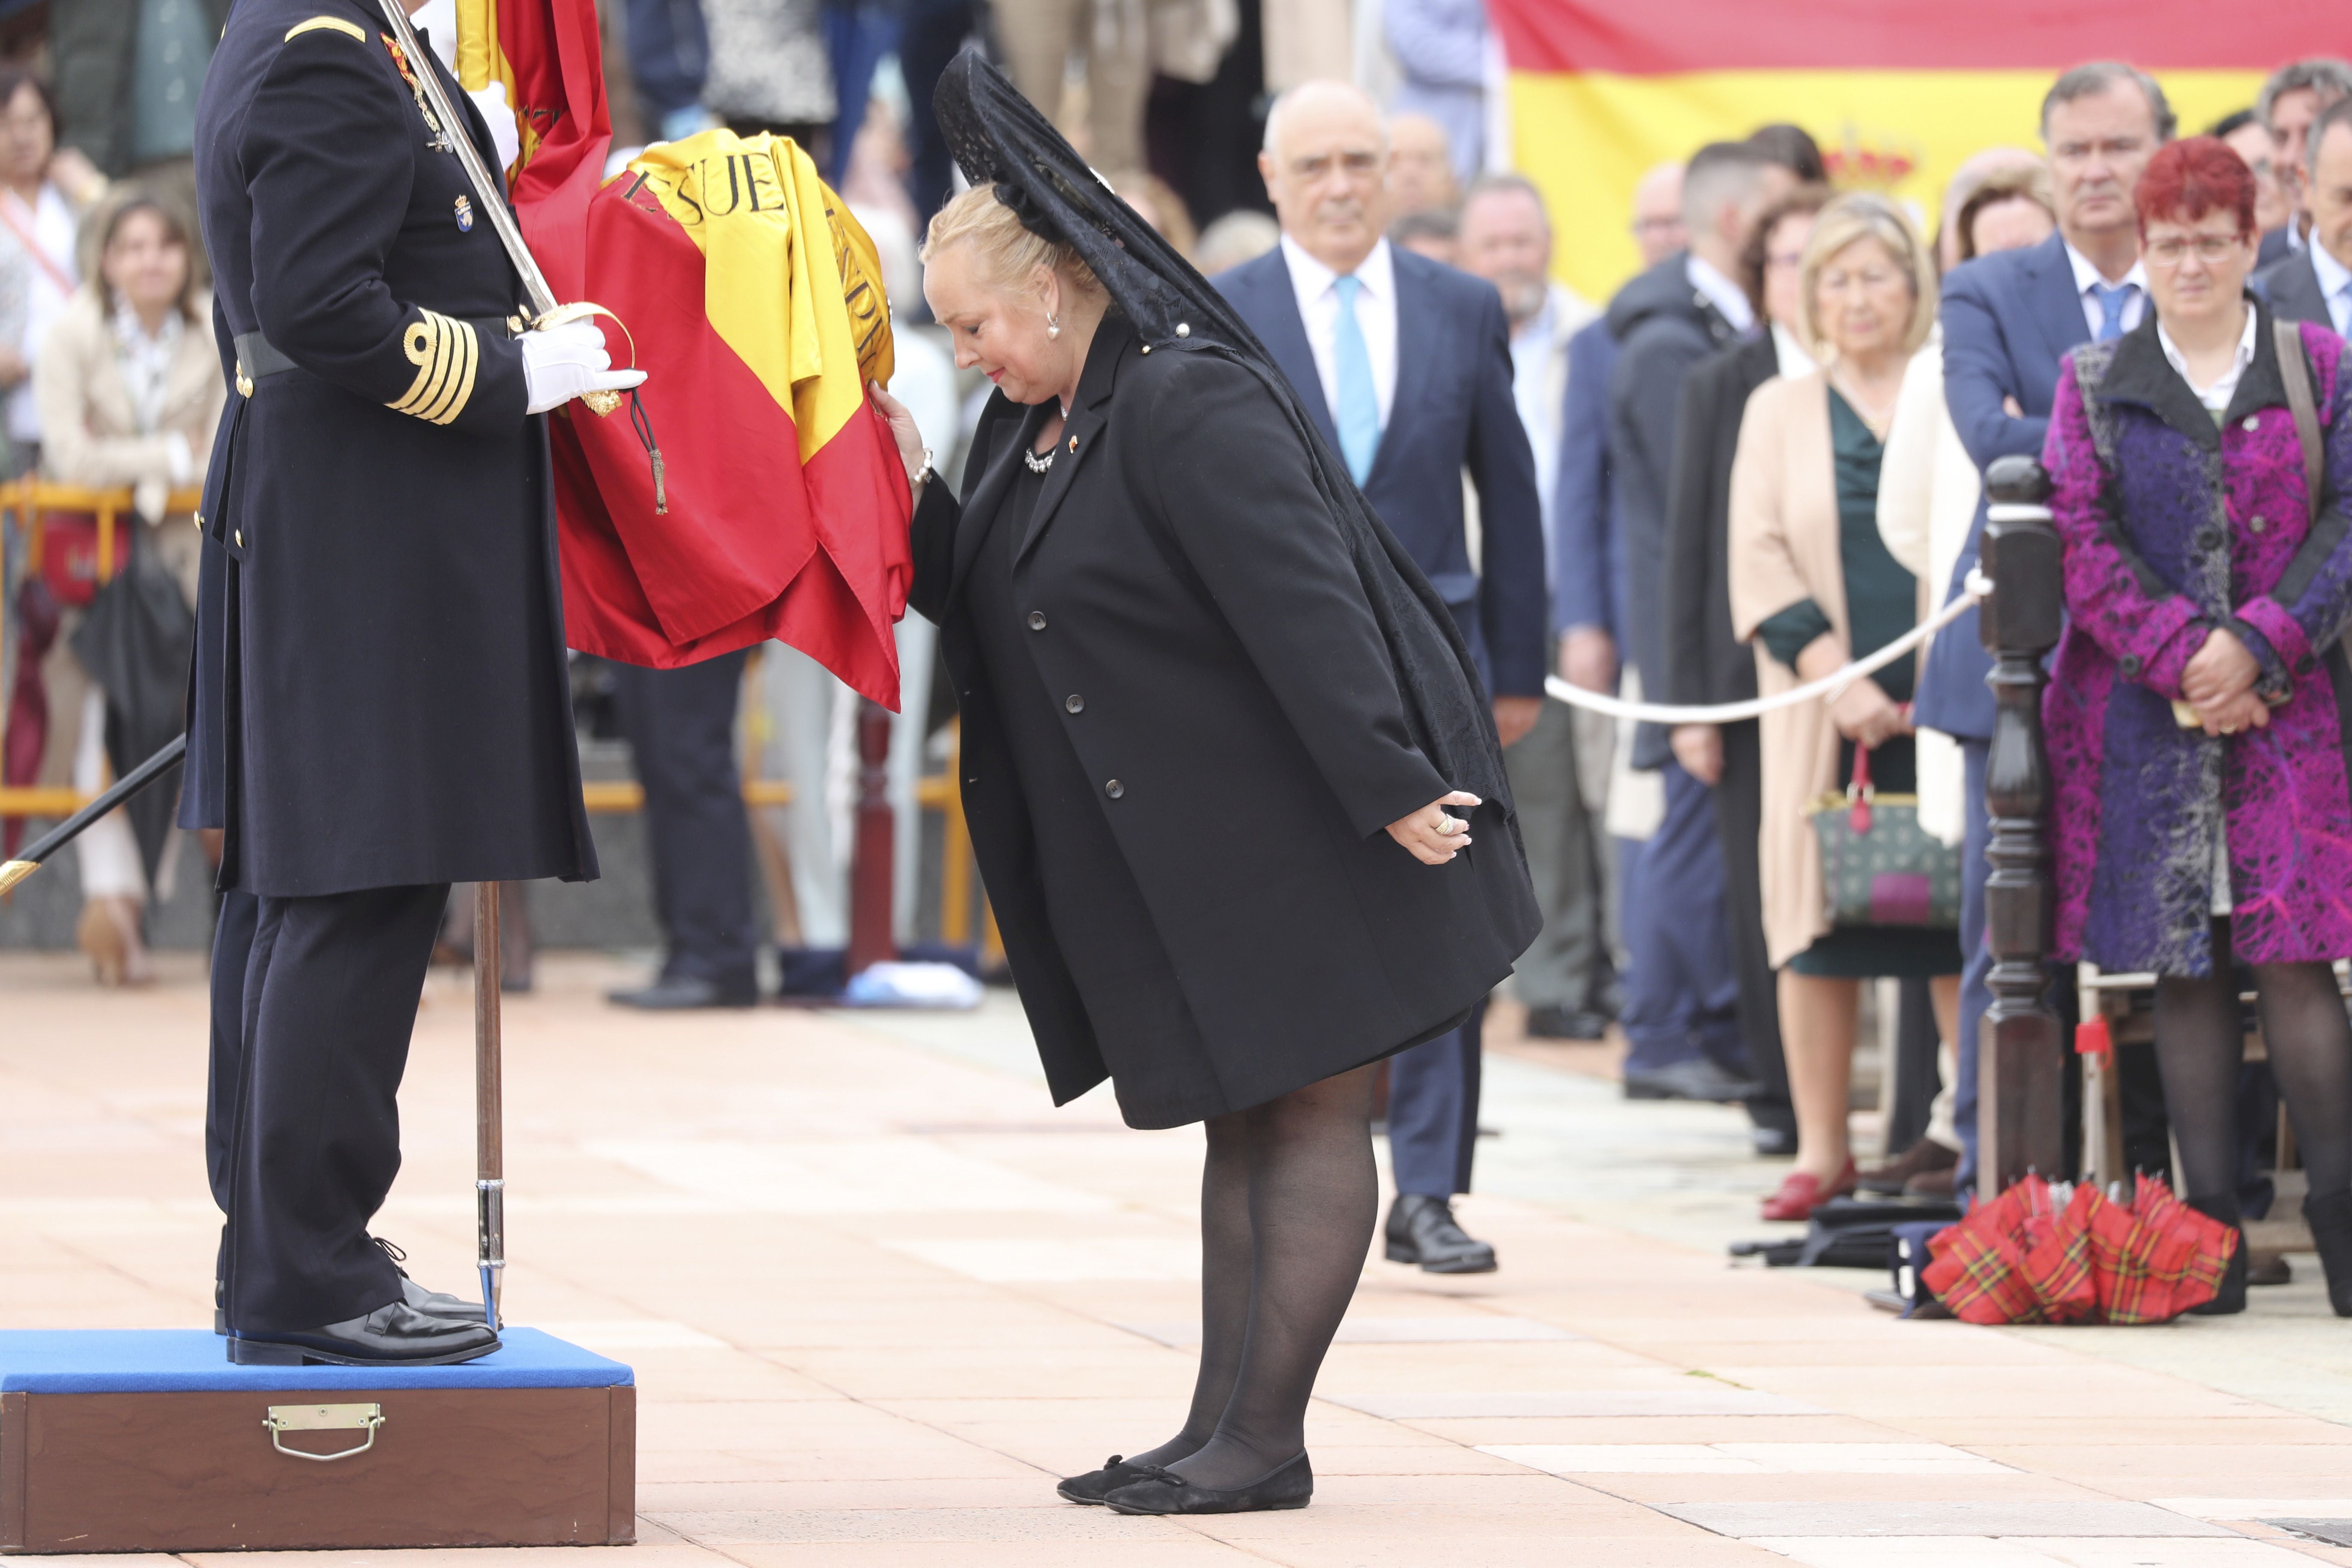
681,726
313,1002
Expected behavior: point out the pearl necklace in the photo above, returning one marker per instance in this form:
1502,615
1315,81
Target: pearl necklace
1038,465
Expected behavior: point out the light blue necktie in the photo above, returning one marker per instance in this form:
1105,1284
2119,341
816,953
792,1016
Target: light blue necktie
2112,300
1360,406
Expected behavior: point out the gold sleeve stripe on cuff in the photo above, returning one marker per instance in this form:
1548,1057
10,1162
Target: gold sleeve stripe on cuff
445,354
334,23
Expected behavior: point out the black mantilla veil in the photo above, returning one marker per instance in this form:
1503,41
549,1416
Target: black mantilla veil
999,137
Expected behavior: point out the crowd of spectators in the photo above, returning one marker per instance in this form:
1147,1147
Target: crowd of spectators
1759,459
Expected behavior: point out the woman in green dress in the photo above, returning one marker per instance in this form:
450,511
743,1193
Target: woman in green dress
1813,587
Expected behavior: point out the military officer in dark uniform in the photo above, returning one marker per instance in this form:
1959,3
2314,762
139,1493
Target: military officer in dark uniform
380,705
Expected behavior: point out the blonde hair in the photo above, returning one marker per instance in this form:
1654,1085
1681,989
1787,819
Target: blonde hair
1860,216
1009,254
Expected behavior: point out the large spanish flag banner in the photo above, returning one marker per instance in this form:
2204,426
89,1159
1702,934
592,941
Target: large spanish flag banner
752,299
1898,92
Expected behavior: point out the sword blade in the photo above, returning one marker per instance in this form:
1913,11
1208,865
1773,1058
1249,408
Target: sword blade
488,186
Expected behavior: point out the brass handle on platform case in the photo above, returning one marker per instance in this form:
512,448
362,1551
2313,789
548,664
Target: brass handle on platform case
285,1418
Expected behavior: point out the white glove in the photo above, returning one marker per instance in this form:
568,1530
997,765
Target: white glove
560,363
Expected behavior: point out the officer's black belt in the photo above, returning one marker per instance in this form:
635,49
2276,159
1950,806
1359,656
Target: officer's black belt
258,359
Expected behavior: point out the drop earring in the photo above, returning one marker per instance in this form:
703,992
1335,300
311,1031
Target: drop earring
1052,326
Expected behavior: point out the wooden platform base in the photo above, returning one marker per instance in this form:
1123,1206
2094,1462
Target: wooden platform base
535,1445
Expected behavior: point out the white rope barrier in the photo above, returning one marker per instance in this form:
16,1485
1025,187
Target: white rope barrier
1831,686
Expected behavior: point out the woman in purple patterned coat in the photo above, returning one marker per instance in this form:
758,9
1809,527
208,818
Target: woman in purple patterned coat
2197,716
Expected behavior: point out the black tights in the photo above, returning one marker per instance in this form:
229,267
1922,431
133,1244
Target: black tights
2198,1049
1289,1197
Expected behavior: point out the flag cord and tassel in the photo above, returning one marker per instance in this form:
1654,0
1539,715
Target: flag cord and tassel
645,429
602,402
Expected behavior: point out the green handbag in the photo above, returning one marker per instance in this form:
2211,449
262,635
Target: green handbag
1879,866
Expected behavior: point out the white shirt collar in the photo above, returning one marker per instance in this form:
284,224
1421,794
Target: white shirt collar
2334,276
2085,274
1377,273
1721,293
2218,395
1793,360
1536,329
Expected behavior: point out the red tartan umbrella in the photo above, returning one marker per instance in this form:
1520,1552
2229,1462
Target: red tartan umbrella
2039,1255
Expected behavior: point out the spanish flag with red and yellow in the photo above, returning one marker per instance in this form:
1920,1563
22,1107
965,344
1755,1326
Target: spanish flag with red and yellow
752,299
1897,92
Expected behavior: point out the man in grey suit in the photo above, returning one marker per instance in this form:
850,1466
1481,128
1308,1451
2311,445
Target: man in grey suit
2290,106
1406,364
2315,284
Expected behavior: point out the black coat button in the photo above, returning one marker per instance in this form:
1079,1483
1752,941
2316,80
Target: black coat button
2129,663
2209,539
1075,703
1114,789
1036,620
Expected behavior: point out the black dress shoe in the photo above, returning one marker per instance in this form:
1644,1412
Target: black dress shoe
1697,1078
392,1335
1773,1142
2269,1268
684,992
1567,1024
1096,1485
1421,1229
1923,1158
1165,1492
432,1303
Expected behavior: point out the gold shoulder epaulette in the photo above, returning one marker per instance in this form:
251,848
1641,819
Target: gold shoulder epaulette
446,354
334,24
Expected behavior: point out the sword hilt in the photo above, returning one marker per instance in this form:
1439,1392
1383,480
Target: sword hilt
603,400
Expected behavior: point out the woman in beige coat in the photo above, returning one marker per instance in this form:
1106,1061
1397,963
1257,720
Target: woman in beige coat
1814,586
129,387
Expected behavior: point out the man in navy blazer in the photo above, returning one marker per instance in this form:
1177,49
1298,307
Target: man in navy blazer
2008,319
1406,364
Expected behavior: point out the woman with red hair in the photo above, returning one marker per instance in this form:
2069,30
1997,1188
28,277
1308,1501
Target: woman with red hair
2202,819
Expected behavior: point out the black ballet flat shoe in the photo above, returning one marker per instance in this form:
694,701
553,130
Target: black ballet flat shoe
1165,1492
1096,1485
392,1335
2330,1219
2230,1296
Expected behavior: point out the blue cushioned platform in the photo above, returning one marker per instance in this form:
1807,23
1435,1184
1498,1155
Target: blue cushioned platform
184,1360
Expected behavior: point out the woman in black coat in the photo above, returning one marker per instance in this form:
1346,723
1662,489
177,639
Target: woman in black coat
1226,876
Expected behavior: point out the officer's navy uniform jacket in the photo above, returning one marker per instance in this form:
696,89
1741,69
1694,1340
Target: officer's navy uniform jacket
380,696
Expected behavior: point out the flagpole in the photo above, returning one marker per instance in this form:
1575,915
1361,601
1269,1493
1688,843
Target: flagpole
489,1106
